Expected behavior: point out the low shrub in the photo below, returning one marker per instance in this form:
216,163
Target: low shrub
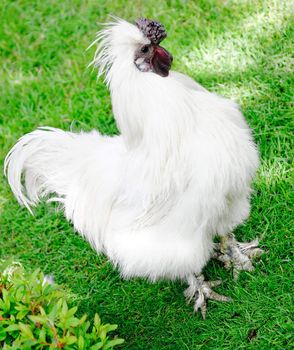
34,314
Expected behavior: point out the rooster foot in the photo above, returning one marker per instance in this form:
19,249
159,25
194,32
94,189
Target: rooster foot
235,255
200,290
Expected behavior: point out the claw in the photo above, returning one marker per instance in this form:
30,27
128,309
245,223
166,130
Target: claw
236,255
201,291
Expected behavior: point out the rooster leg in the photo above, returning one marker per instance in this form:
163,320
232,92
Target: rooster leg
200,290
236,255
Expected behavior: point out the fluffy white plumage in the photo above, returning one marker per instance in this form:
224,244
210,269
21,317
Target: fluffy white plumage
153,198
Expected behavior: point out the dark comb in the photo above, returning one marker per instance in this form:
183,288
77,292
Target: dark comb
153,30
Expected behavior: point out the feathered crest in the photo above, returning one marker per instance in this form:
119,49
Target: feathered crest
103,55
109,42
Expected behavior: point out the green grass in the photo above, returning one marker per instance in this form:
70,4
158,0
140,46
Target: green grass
238,48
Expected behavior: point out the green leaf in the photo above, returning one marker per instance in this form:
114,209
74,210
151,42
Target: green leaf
97,346
4,294
37,319
21,307
20,293
28,344
34,276
111,343
102,331
64,308
12,328
72,311
72,322
81,343
53,313
26,330
71,339
42,335
110,327
42,311
21,314
97,321
6,301
83,319
2,334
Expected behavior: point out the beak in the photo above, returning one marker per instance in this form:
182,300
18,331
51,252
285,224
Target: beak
161,61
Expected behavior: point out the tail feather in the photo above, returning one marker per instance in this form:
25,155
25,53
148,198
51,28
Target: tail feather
33,165
80,170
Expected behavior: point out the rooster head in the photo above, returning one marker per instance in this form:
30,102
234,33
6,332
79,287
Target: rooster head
125,46
152,57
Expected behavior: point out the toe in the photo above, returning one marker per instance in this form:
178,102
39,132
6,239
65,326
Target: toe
203,310
254,253
200,301
215,296
212,284
248,245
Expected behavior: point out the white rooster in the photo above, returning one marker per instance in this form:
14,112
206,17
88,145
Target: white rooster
153,198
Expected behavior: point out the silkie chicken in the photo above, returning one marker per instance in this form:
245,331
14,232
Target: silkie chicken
153,198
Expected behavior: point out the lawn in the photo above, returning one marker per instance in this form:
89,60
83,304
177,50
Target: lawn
238,48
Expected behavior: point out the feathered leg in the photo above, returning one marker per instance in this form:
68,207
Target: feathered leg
200,290
236,255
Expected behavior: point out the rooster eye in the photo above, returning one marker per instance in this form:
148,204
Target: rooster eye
145,48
